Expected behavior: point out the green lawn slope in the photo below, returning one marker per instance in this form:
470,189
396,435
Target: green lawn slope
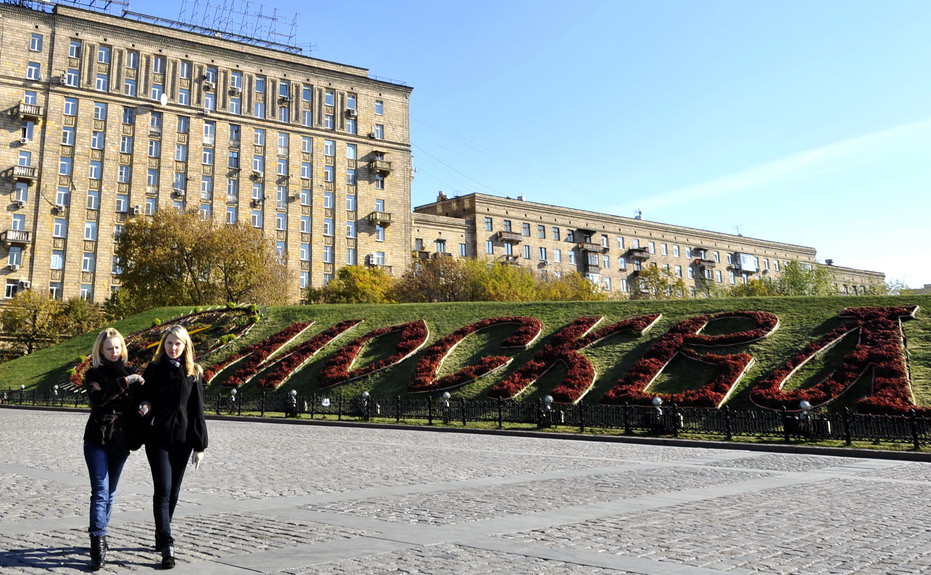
802,320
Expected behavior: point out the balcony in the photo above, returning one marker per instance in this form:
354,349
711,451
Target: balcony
420,254
593,268
438,255
25,173
16,237
705,263
380,218
382,167
29,111
382,267
509,237
509,259
639,253
591,247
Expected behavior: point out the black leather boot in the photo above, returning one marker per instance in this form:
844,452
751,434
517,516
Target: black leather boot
97,552
168,557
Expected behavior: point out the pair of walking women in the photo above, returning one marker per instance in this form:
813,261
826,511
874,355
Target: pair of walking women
163,409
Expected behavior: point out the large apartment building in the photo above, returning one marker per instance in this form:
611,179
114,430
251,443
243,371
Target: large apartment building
609,250
110,118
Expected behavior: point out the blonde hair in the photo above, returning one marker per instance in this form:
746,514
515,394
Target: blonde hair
187,355
97,358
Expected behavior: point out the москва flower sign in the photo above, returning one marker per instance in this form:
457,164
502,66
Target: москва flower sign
879,353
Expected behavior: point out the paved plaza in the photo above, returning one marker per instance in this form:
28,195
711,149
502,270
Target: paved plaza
319,499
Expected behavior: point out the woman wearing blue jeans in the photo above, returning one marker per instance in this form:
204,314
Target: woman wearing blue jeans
176,431
111,387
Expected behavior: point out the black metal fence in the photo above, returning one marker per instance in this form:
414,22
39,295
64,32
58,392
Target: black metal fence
669,420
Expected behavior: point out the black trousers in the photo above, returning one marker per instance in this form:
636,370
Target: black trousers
168,464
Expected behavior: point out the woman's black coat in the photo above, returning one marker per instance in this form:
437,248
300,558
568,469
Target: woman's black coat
113,405
177,413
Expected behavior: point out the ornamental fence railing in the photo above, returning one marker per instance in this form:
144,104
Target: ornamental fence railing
661,420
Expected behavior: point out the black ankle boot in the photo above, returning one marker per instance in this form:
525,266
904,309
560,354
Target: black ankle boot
168,557
97,552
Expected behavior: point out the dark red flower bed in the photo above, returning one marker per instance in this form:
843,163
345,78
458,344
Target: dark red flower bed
564,347
287,366
880,348
730,368
528,329
338,368
257,354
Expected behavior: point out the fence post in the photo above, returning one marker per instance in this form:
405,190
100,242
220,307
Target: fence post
462,408
581,417
675,420
785,424
397,409
339,407
500,412
727,423
429,410
626,414
313,404
848,437
914,425
262,403
218,404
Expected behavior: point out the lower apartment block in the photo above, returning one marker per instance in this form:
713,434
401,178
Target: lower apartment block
609,250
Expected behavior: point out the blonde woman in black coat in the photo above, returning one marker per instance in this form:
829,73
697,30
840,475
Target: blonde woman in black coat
111,387
176,431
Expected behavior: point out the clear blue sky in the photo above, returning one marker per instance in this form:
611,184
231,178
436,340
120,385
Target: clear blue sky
800,121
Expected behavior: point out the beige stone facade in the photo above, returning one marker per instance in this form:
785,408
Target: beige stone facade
609,250
109,119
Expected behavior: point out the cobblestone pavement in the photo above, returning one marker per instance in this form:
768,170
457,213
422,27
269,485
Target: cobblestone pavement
336,500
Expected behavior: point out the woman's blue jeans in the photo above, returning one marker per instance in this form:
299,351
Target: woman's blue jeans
104,466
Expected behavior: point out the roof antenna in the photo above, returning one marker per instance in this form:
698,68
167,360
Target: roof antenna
638,215
737,227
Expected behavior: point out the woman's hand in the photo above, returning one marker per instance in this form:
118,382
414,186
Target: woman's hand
196,458
144,408
134,378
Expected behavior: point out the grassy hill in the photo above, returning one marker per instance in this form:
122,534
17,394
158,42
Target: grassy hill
802,320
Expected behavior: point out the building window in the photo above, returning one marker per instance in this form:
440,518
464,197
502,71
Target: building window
379,132
232,214
307,144
329,98
305,224
327,254
542,254
58,259
379,107
74,49
329,174
379,233
489,224
71,107
94,170
88,262
350,203
129,87
256,218
489,247
132,60
60,228
71,78
526,251
93,200
33,71
328,226
158,65
90,231
328,200
67,136
350,229
35,43
557,255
